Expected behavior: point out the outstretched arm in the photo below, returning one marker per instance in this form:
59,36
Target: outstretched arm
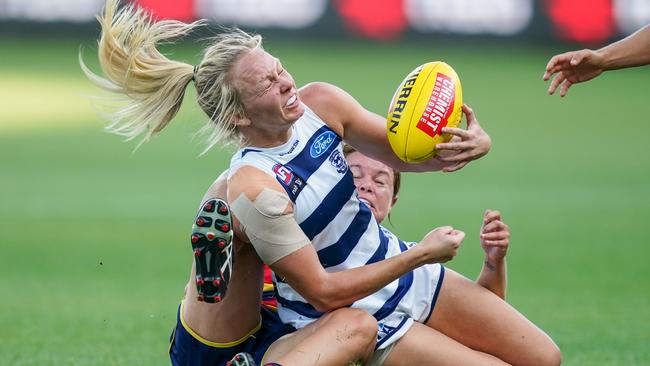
495,238
293,258
629,52
366,131
578,66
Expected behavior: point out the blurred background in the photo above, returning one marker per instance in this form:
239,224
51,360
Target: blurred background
94,250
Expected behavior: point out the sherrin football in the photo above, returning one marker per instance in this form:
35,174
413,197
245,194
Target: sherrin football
428,99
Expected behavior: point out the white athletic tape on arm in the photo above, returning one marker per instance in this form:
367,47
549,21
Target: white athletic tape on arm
273,233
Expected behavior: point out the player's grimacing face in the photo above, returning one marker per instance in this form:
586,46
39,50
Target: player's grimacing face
374,181
267,90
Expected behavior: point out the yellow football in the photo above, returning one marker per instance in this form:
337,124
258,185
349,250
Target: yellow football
428,99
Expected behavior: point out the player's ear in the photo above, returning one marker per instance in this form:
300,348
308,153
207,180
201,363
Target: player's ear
394,201
241,121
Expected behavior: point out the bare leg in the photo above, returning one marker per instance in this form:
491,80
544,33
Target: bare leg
422,345
242,302
338,338
475,317
213,322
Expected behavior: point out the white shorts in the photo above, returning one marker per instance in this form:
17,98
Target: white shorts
417,305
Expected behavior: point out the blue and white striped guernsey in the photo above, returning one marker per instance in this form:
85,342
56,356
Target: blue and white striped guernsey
314,173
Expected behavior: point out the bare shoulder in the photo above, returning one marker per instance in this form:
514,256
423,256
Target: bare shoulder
319,95
313,92
331,103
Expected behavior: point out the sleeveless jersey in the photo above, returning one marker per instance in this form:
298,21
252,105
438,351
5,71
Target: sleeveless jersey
311,168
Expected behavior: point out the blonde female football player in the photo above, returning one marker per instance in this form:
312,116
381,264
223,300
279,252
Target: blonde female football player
293,199
207,333
289,177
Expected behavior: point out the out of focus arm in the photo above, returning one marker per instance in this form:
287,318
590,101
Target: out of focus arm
628,52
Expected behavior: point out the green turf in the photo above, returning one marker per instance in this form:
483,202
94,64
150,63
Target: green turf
93,237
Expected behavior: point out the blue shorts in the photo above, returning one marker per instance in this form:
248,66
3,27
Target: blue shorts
188,348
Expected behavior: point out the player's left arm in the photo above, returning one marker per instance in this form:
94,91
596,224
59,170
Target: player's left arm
495,239
366,131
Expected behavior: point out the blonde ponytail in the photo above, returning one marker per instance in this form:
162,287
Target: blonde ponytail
154,85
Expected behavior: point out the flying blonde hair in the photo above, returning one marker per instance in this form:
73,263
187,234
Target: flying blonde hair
154,86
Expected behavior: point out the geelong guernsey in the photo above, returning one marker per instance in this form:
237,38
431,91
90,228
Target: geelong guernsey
311,167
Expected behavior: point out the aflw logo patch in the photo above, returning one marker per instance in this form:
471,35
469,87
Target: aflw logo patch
291,182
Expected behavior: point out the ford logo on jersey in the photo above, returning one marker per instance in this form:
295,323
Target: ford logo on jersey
322,143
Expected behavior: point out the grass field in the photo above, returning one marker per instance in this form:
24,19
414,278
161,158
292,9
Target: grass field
93,237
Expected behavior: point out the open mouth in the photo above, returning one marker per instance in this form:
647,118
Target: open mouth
292,100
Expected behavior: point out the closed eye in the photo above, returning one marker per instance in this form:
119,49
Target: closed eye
265,89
